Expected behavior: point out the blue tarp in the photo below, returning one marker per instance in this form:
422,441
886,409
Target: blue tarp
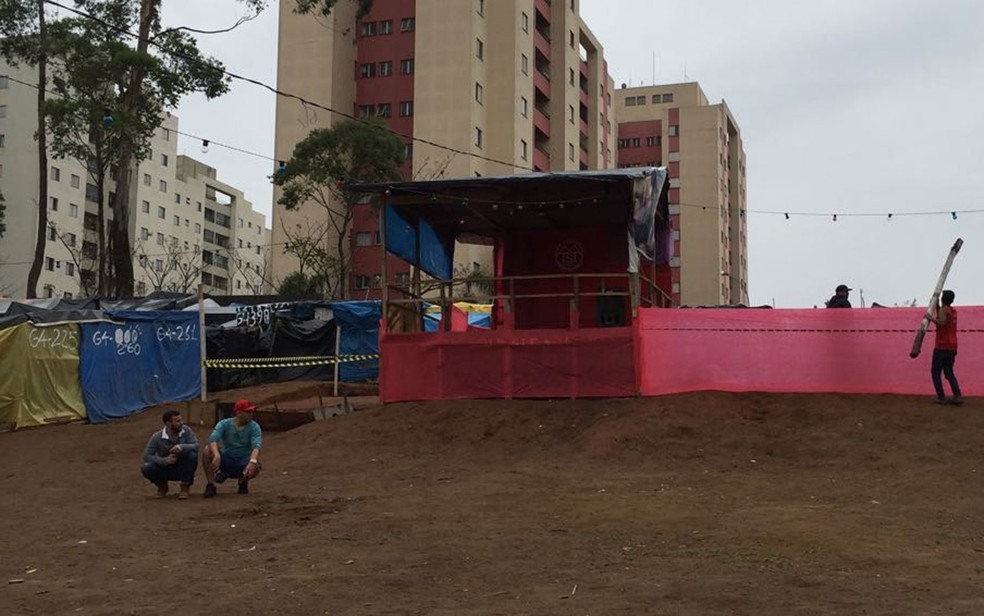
475,319
358,325
403,233
149,358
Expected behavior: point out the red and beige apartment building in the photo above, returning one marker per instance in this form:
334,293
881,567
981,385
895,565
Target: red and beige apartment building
494,87
700,145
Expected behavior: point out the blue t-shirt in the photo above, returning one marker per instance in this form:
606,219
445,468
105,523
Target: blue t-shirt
237,442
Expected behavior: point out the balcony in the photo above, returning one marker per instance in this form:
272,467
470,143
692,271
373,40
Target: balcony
541,42
541,80
543,7
541,121
541,160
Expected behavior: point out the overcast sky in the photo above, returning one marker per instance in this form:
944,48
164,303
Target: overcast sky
845,107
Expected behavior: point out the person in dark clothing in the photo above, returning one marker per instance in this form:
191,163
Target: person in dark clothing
945,350
839,300
171,455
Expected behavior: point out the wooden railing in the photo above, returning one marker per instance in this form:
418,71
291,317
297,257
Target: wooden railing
405,303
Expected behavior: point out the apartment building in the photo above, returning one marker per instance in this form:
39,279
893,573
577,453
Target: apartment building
182,217
510,85
675,126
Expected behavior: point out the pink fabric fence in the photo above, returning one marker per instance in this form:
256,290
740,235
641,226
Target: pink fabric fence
809,351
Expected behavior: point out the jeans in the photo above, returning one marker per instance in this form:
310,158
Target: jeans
943,364
183,470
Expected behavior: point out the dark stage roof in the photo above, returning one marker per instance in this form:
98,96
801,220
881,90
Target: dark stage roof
484,206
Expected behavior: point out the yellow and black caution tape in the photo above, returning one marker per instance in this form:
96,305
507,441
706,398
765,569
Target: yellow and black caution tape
286,362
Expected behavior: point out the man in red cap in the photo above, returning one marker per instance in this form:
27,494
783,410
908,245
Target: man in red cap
233,450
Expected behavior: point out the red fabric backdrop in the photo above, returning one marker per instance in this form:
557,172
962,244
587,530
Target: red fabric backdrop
845,351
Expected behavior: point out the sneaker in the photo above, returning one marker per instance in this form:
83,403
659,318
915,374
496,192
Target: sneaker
244,487
940,401
210,491
219,477
183,494
956,401
161,490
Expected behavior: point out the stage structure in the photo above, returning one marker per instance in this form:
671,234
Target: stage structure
576,255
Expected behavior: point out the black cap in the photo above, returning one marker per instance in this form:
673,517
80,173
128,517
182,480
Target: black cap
842,287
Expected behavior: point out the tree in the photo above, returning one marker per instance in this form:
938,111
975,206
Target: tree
299,286
316,172
154,79
324,7
168,268
256,277
23,39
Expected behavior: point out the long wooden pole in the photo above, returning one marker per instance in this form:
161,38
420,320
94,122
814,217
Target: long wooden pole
338,348
934,299
385,274
201,339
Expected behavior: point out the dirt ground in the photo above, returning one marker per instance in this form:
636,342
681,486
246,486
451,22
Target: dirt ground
693,504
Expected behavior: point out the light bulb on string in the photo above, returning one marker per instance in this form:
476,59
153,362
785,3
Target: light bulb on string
204,146
835,217
787,215
281,166
107,119
954,215
889,218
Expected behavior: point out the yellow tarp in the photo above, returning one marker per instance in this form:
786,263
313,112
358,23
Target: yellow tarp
39,375
465,307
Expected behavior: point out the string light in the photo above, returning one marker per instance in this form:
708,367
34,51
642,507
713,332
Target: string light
204,146
107,120
954,215
835,217
890,217
787,215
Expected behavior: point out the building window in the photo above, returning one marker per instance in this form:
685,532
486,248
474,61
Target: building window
161,213
69,270
367,111
368,28
144,233
3,140
53,202
571,76
640,100
481,7
166,134
70,239
524,63
55,174
147,179
75,181
385,69
524,107
361,282
49,264
367,70
408,24
478,136
406,67
385,110
523,149
525,21
363,239
160,239
479,49
73,210
653,141
177,221
386,27
674,130
572,5
3,82
570,151
145,207
198,227
3,111
407,154
630,101
478,93
667,98
52,234
406,109
573,44
163,186
570,113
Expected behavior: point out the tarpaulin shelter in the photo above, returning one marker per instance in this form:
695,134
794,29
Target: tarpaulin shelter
146,359
358,326
39,375
574,253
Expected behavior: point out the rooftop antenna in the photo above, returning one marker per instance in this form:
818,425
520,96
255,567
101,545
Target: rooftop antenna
685,78
654,68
